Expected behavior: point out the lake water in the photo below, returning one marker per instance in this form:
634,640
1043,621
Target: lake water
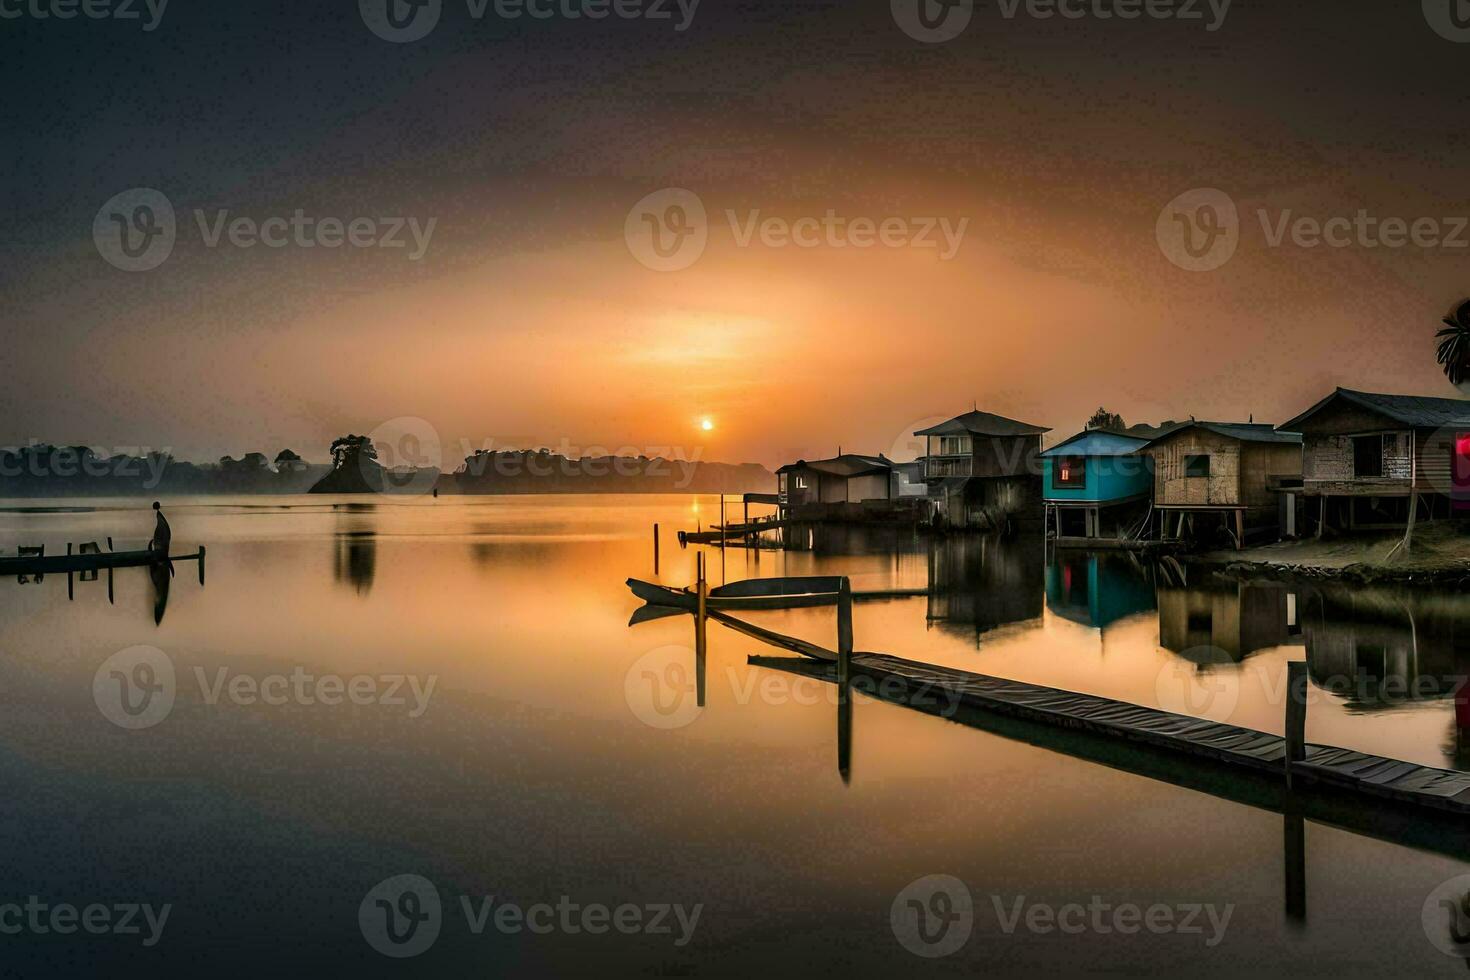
368,688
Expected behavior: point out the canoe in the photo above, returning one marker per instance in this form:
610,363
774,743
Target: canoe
777,593
663,595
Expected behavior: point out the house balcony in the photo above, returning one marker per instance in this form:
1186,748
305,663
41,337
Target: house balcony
948,467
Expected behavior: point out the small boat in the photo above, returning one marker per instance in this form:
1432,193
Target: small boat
766,593
663,595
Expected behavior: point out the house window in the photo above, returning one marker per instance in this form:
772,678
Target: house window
1197,466
1069,471
1368,455
801,483
954,445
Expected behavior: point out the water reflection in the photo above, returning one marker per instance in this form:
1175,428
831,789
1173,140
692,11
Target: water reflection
978,583
1223,621
355,546
1098,589
1378,648
160,574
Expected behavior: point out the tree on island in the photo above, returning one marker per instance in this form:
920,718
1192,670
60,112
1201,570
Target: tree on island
1454,344
288,461
351,450
1104,419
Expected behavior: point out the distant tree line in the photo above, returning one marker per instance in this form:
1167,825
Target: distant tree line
43,470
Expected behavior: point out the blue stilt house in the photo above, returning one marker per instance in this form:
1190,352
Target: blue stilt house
1095,483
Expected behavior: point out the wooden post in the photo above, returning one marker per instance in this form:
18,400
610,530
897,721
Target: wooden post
844,631
702,588
1294,851
70,586
1322,516
655,548
1239,530
201,564
109,585
1296,715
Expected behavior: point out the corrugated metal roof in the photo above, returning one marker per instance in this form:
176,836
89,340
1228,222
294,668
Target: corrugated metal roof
1417,411
1098,442
982,424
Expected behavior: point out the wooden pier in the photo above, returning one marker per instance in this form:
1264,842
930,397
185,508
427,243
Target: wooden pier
1198,740
1213,742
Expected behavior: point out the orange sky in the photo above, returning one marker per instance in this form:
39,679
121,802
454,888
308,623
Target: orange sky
529,321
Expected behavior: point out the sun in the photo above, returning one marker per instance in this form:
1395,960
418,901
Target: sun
707,425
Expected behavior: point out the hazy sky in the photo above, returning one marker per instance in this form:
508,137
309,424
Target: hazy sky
529,319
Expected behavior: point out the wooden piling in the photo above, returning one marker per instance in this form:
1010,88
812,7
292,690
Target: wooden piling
201,564
1294,852
844,631
655,548
1296,715
70,585
701,616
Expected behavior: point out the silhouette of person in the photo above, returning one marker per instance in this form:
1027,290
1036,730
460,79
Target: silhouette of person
162,533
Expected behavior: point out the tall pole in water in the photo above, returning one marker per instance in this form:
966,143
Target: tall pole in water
655,548
1296,715
702,590
844,630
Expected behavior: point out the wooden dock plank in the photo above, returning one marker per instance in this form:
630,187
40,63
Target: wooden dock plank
1347,769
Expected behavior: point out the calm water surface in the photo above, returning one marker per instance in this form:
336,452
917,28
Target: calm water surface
560,756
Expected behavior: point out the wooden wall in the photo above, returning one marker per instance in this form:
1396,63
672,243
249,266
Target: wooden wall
1239,471
1173,489
1327,466
1007,456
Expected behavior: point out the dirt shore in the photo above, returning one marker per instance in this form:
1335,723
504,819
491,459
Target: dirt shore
1440,553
